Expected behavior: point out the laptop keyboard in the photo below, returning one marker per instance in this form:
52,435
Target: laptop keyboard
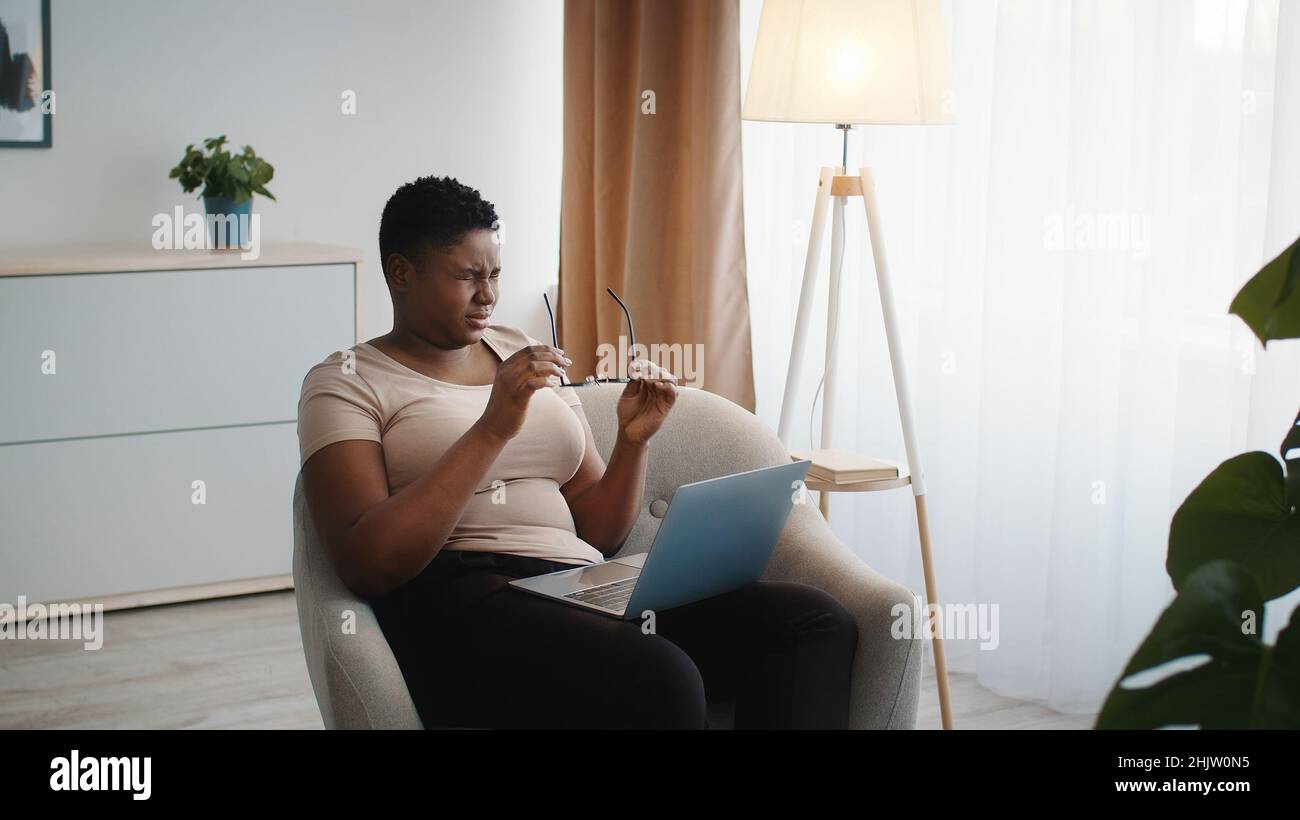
610,596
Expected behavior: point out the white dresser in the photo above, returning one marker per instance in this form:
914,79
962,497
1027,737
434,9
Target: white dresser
134,385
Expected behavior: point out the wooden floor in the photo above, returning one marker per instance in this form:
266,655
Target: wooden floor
238,663
974,707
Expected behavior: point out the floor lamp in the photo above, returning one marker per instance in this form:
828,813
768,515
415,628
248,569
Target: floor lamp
842,63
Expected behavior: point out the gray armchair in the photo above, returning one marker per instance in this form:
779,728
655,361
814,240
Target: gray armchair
357,681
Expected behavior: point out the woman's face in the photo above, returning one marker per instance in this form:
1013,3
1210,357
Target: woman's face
454,290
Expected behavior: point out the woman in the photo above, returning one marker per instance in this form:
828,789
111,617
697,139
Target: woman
442,460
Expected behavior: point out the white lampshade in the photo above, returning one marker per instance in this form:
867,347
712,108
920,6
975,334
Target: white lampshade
850,61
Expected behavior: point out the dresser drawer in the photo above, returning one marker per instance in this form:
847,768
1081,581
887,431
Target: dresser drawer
106,516
160,350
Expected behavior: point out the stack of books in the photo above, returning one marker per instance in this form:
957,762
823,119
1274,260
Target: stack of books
843,467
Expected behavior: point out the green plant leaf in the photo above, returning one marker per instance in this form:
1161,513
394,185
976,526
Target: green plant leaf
1244,684
1279,694
1290,452
1239,513
262,172
221,173
1270,302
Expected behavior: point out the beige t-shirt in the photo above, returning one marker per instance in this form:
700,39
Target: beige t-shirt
518,508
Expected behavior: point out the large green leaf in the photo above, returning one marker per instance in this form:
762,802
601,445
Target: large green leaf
1244,684
1270,302
1278,703
1239,513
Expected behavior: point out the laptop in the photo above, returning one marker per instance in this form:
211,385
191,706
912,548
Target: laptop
717,536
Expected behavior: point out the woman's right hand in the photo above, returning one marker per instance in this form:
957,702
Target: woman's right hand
528,370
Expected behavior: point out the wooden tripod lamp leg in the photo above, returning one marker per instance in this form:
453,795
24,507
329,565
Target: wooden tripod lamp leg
901,387
932,594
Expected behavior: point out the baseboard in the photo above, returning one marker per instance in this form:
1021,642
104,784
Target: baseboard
172,595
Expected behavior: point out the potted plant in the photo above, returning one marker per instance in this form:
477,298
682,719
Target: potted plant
229,182
1234,545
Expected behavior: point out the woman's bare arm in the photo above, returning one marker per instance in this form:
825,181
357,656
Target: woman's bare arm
380,541
604,499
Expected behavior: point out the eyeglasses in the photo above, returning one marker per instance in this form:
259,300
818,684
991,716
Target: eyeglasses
631,332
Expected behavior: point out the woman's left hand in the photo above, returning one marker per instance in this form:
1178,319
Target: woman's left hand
646,401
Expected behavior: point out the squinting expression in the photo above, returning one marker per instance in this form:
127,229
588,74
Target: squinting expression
456,290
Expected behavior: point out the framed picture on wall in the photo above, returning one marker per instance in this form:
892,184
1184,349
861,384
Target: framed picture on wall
26,100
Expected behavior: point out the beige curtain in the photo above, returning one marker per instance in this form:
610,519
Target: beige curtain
651,203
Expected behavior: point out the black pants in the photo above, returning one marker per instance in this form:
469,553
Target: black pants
476,653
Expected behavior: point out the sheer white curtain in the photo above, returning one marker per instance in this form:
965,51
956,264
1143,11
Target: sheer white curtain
1064,257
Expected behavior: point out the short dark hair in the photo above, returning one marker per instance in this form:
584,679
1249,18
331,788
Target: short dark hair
437,211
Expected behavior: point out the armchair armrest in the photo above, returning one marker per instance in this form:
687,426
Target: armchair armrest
886,670
357,680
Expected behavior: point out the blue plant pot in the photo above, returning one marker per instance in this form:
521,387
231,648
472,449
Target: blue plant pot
233,231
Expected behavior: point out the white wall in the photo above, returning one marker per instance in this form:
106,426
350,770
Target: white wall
467,89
